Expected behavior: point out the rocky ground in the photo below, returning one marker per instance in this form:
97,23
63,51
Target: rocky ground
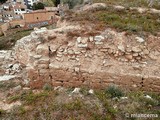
87,54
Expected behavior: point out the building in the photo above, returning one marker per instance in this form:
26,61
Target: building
39,18
29,3
35,19
6,6
19,8
7,15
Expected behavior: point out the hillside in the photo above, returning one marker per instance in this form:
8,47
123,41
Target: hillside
100,62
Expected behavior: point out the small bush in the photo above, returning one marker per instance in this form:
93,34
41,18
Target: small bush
114,91
31,97
2,111
76,105
148,101
13,98
47,87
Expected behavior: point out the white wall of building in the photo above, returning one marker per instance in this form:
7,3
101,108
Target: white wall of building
19,11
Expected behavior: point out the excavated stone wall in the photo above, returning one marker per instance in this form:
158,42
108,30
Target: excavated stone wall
54,57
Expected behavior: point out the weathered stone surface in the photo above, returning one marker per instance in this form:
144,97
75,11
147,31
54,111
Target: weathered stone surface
136,49
129,57
7,77
139,39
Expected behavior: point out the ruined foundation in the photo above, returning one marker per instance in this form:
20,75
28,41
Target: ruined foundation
51,56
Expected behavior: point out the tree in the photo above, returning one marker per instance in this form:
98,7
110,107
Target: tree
72,3
3,1
38,5
56,2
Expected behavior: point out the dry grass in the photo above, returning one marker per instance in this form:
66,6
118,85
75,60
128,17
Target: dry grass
125,20
129,3
59,105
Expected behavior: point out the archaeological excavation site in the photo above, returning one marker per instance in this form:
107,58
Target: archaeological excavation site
66,57
99,55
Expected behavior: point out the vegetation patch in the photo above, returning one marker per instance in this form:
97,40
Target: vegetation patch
125,20
130,3
6,42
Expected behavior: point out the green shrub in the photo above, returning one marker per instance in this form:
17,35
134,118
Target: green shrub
2,112
47,87
76,105
114,91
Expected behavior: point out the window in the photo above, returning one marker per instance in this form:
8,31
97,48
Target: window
22,9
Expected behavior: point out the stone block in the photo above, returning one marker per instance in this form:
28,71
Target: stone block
55,83
38,84
32,74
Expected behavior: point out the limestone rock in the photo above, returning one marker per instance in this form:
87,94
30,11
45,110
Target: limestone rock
146,52
118,7
91,91
17,88
98,38
6,77
136,49
76,90
139,39
129,57
121,47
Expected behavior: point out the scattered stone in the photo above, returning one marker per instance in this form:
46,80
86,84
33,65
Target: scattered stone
118,7
123,98
91,91
76,90
154,11
6,77
76,69
17,88
139,39
135,86
26,88
8,107
79,39
148,97
59,88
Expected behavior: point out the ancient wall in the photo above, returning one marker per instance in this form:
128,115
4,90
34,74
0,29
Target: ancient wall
52,56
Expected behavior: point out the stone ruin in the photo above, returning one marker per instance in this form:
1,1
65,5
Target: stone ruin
96,61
